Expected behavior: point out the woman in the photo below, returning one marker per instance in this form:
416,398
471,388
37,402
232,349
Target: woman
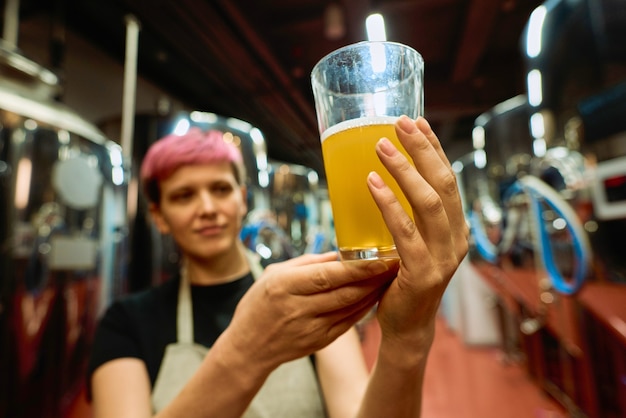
282,342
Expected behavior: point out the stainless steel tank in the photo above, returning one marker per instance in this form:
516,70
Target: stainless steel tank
62,240
292,222
502,154
577,97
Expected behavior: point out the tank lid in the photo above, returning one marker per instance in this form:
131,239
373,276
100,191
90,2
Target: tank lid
51,113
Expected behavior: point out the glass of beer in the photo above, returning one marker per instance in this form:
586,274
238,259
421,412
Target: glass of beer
360,91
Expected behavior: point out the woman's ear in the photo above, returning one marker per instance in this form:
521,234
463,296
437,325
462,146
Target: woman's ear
157,218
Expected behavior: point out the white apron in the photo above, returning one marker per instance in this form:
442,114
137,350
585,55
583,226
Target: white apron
290,391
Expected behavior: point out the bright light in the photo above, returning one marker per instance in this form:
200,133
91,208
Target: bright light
534,82
115,156
239,125
375,25
264,178
478,137
313,177
257,136
379,57
537,125
64,137
539,147
559,224
203,117
182,126
30,124
535,29
264,251
117,175
480,158
22,183
380,102
261,160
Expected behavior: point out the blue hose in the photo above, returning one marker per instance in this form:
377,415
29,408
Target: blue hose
538,192
486,248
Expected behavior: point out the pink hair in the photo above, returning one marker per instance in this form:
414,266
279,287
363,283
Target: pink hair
194,147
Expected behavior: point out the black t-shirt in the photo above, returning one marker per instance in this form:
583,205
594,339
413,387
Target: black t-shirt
141,325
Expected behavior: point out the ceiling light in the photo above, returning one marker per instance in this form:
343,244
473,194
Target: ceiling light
375,24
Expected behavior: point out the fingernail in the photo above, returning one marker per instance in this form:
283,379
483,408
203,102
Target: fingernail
406,124
387,147
376,180
424,125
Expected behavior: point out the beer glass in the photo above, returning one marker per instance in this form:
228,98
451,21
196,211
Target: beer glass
360,91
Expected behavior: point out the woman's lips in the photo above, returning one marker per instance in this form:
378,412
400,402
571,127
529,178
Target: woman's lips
210,230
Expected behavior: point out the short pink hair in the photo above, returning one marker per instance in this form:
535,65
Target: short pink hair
194,147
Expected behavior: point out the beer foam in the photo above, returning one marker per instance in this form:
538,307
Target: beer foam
358,123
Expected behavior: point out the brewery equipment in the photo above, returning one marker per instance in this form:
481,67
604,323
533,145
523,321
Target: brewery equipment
561,213
62,239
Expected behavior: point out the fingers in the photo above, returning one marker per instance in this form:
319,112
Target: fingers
424,127
343,319
308,259
429,231
452,199
302,308
430,188
407,237
319,278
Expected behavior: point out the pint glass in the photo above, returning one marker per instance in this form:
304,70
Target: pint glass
360,91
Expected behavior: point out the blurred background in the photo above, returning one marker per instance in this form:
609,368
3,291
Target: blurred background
527,97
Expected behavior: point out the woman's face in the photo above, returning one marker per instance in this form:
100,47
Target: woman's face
202,207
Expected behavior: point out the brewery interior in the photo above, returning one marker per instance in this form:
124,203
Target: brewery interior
527,97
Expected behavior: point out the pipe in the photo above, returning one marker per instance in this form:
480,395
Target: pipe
538,192
11,23
130,86
128,109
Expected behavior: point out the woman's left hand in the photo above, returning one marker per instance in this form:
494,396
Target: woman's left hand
431,242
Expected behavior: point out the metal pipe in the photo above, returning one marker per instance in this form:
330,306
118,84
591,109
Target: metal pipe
128,110
11,23
130,86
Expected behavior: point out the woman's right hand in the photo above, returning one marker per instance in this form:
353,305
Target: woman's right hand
301,305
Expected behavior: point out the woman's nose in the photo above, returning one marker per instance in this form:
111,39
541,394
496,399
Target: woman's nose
206,202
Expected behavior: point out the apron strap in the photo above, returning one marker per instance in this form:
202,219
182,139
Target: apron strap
184,310
254,261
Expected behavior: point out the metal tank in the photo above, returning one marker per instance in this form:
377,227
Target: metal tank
295,221
502,153
563,220
62,240
577,97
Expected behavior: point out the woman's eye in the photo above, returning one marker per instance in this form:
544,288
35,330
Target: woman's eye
222,189
178,197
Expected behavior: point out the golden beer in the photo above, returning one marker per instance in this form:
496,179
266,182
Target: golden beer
349,156
360,90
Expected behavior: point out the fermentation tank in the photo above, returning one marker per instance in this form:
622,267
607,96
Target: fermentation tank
502,154
554,249
295,221
62,240
577,97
